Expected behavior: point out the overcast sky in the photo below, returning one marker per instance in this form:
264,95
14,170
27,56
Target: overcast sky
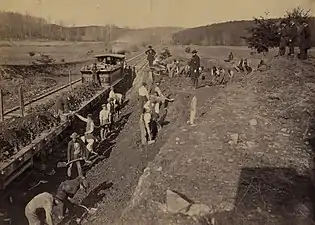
140,13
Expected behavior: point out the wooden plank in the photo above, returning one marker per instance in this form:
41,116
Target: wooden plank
21,100
1,106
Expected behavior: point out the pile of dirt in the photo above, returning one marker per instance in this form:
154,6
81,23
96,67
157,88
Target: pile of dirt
19,132
246,159
34,80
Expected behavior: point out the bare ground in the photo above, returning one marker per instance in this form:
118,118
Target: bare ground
263,179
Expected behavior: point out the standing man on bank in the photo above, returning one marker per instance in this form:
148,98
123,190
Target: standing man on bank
293,33
305,40
150,55
194,64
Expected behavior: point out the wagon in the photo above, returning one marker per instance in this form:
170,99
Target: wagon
109,67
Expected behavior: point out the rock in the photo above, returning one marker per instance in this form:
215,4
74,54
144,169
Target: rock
234,138
159,169
283,130
230,160
253,122
175,203
251,144
199,210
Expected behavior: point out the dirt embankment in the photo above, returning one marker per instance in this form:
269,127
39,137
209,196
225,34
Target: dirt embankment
247,159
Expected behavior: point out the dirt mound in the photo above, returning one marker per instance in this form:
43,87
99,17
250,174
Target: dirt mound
246,158
19,132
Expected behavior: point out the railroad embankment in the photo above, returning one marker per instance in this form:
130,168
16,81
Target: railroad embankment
247,160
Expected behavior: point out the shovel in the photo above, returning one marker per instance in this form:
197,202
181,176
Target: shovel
65,164
90,211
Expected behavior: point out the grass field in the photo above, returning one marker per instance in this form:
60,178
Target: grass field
35,82
18,52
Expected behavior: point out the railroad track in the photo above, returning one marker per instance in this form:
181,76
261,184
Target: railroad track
135,61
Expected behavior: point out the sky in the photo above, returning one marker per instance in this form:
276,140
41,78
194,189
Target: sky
149,13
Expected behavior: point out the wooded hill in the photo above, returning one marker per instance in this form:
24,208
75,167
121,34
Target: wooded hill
16,26
228,33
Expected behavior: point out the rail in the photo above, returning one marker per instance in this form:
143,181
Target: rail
61,88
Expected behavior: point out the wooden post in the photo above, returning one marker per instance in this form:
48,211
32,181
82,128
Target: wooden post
70,81
21,101
193,110
1,106
82,79
143,132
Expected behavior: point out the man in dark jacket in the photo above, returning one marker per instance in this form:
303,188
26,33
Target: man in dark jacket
292,37
194,65
283,38
150,55
305,40
66,192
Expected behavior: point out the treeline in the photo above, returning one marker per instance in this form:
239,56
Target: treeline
16,26
228,33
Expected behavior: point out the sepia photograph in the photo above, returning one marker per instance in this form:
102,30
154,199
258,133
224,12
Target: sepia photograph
157,112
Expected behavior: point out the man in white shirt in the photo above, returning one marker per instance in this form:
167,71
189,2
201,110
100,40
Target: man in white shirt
143,94
104,121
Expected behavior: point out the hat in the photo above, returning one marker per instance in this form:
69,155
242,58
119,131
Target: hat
103,105
150,46
74,135
89,115
194,51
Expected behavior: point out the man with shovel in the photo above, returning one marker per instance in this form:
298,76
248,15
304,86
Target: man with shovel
66,191
76,153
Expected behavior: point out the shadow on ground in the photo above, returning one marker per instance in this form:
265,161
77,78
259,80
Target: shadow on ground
278,196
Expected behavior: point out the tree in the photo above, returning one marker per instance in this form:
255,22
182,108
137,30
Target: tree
266,32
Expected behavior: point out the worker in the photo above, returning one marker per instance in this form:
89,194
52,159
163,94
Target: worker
150,55
194,64
76,150
230,57
104,121
173,68
292,33
143,95
147,120
158,92
44,201
61,107
118,98
112,112
153,107
89,132
283,38
247,67
66,192
305,40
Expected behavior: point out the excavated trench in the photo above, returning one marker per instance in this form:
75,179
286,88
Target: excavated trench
112,180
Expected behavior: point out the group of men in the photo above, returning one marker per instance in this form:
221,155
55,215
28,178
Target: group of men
77,151
80,149
290,35
151,102
60,201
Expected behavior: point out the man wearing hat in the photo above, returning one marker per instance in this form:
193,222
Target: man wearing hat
305,40
111,106
66,192
104,121
76,150
150,55
292,36
194,64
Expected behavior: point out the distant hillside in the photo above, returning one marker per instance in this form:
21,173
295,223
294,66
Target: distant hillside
15,26
228,33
